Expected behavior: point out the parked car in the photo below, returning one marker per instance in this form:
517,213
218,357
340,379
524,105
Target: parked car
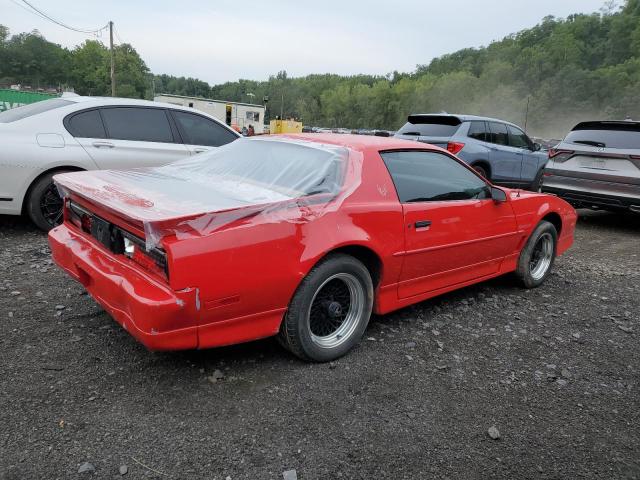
301,236
597,166
87,133
499,151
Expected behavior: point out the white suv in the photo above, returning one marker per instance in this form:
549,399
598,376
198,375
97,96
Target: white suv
90,133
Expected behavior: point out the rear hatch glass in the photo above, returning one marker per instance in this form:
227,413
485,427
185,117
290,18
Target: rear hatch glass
618,139
438,127
428,130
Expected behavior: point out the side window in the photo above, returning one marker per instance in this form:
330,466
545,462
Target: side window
135,123
86,125
477,130
197,130
517,138
421,176
498,133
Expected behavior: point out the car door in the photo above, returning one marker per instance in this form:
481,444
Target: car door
131,137
530,158
200,133
454,231
505,160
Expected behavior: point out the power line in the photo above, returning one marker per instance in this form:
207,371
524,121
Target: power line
45,16
115,31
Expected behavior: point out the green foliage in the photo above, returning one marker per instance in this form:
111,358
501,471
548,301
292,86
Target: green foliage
29,59
578,68
582,67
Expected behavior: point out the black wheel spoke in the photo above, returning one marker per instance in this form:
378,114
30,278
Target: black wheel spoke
329,308
51,205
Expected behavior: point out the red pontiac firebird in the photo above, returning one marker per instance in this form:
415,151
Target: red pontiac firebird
299,236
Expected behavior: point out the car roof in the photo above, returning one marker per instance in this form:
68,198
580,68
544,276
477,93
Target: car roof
85,101
629,125
121,101
361,142
462,117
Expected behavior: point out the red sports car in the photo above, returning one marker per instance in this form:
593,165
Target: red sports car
299,236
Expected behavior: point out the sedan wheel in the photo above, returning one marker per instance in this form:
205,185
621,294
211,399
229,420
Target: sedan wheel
330,310
538,255
44,203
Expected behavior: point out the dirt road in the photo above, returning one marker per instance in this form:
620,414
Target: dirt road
555,370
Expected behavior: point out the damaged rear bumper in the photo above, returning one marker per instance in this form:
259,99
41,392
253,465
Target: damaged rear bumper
157,316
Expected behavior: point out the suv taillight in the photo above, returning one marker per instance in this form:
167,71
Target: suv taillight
455,147
563,154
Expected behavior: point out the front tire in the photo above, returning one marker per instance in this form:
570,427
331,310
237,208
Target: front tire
538,255
44,204
330,310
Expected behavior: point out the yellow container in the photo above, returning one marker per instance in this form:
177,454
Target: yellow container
285,126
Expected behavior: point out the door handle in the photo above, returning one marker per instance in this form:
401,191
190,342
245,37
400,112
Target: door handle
103,144
200,150
423,224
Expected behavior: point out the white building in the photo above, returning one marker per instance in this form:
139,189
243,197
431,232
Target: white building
236,115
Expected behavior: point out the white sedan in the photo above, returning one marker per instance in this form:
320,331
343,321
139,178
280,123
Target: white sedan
91,133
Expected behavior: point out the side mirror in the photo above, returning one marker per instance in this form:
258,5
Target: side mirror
537,147
498,195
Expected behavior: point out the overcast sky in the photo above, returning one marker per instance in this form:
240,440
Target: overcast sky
223,40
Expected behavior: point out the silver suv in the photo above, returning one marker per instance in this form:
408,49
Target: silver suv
597,166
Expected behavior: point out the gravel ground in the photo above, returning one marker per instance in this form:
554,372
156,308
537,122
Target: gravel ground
488,382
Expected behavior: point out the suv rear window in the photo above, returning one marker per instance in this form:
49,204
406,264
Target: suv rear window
622,139
428,129
25,111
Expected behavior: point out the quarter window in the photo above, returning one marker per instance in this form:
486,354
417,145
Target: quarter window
140,124
86,125
421,176
477,131
197,130
498,133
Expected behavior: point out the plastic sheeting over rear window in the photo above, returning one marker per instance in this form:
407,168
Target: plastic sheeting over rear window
263,180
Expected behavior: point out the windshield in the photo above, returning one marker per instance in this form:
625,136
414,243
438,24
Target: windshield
25,111
621,139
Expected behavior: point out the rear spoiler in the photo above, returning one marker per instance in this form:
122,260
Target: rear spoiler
623,125
434,119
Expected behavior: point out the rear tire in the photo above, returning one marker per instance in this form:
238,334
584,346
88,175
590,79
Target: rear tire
44,204
537,256
330,310
482,171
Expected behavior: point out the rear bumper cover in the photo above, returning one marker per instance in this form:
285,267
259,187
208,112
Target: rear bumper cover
589,193
157,316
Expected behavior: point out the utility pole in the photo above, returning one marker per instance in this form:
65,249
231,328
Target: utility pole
113,63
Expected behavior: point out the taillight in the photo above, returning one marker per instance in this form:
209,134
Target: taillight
553,152
78,216
454,147
154,260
